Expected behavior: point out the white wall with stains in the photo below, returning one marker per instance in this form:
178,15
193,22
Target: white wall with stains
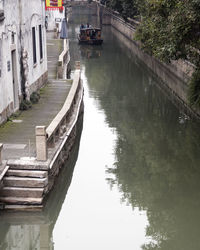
17,68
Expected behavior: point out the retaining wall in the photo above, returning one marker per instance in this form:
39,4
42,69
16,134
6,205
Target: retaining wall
28,180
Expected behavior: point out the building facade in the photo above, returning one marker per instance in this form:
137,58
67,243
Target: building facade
23,55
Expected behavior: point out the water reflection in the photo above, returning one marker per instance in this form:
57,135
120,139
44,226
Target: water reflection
33,230
90,52
154,168
157,149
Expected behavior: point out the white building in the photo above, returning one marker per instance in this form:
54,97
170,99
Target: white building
54,19
23,56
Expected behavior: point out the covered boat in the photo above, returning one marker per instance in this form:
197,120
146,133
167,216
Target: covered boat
91,36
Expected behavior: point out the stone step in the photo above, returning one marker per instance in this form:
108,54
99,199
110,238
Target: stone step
21,200
1,184
24,207
27,173
22,192
26,163
3,169
26,182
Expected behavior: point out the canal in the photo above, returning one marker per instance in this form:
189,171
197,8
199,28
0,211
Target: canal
133,179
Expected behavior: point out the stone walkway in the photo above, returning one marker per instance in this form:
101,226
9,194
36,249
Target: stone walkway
18,136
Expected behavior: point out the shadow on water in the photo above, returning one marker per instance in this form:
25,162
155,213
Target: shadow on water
157,166
33,230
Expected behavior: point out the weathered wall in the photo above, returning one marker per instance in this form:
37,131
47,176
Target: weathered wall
175,75
15,38
8,26
33,15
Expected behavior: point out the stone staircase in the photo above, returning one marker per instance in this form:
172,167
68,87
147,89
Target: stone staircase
3,169
23,187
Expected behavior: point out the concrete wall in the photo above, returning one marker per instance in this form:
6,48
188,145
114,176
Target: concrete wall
16,52
175,76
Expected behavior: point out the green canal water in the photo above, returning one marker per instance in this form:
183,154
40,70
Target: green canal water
133,180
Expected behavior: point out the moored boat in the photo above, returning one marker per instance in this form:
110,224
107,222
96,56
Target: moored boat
90,36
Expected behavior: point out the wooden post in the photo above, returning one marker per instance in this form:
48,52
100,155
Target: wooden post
41,143
1,147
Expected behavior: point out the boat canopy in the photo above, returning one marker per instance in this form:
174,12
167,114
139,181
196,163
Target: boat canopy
86,29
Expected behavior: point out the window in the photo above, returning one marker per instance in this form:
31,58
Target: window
2,17
34,46
0,56
40,41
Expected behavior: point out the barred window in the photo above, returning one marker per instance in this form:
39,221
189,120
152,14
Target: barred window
34,45
40,42
0,57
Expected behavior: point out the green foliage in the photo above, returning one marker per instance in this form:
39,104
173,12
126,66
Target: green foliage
25,105
34,98
170,29
127,8
14,116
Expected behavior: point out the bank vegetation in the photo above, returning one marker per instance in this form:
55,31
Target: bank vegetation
168,30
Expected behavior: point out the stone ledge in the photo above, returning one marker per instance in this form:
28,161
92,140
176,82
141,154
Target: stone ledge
28,164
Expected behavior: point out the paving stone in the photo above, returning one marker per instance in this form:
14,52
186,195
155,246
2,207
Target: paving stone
14,146
17,121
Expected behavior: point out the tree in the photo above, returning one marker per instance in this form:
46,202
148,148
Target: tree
170,30
127,8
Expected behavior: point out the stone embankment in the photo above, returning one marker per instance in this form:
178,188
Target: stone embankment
27,180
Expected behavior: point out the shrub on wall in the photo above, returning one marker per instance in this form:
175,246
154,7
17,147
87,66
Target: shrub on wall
194,89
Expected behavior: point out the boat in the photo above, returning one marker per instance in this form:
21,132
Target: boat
90,36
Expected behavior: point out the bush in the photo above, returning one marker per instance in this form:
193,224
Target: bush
194,89
25,105
34,98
